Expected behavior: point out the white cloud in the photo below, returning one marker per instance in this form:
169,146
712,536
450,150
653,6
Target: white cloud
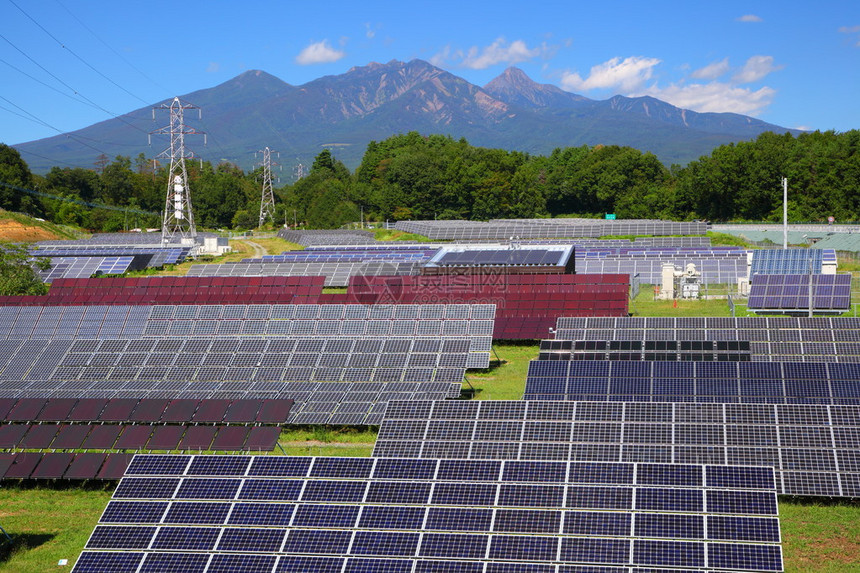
629,74
499,52
370,30
715,97
712,71
755,68
749,18
851,30
319,53
213,67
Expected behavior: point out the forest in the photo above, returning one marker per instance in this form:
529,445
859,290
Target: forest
413,176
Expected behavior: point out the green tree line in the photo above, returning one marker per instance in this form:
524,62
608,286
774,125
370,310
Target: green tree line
412,176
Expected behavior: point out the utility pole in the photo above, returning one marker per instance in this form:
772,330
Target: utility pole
267,203
178,219
300,171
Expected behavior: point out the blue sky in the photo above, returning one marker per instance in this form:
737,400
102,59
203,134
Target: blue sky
68,64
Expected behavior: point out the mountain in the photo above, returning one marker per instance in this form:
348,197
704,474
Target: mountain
344,112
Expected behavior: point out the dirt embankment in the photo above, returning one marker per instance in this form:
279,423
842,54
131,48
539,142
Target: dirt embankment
16,232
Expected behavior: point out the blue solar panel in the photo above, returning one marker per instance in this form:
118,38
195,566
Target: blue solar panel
280,466
668,525
342,467
187,538
271,489
133,512
587,522
323,515
746,557
120,537
222,563
601,473
107,562
261,514
750,503
174,562
403,469
251,539
208,488
532,548
392,492
158,464
599,497
320,542
356,565
453,545
293,563
375,517
221,466
668,553
665,474
733,528
317,490
194,513
384,543
146,488
459,519
527,521
531,495
664,499
591,550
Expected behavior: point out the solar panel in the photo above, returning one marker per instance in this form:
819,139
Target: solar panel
734,434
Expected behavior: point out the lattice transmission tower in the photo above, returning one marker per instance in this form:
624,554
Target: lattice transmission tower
267,203
178,218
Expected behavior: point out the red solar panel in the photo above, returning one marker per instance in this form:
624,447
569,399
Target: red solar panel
6,461
102,437
39,437
230,438
11,434
85,465
118,410
53,465
149,410
114,466
23,465
263,438
274,411
198,438
211,411
133,437
26,410
70,437
181,410
57,409
6,405
87,410
243,411
166,438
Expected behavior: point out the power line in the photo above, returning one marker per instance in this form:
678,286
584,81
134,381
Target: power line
83,61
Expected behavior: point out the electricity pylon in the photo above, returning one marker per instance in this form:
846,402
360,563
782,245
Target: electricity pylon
267,203
178,219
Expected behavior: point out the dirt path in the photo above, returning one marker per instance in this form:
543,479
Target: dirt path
259,250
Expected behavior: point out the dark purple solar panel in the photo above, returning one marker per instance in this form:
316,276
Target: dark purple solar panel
114,466
133,437
274,411
23,466
39,437
11,434
53,465
149,410
230,438
181,410
26,410
243,411
87,410
6,461
57,410
166,437
102,437
85,466
198,438
211,411
71,437
263,438
118,410
6,405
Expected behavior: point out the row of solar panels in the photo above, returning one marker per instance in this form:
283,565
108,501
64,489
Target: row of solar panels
526,229
814,448
336,274
754,328
137,437
399,515
792,292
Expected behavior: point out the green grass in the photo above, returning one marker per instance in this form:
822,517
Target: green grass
820,536
48,524
505,379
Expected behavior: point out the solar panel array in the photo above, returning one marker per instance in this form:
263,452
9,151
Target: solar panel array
714,270
158,255
336,274
545,228
552,258
814,448
64,465
85,267
119,239
668,350
206,513
790,261
182,290
658,381
782,292
772,339
527,305
328,237
474,322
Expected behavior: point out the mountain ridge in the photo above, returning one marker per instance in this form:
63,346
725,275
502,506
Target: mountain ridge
375,101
